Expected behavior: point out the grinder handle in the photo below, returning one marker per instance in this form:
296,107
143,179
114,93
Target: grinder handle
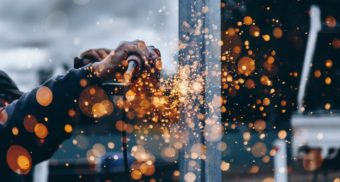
133,69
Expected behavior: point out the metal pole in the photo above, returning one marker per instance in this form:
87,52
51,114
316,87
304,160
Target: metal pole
280,161
213,130
199,35
315,27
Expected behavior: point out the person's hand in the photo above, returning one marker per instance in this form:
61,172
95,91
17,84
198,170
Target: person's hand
90,56
96,54
117,58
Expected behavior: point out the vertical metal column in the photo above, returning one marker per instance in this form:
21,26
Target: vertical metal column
280,161
191,58
213,130
199,36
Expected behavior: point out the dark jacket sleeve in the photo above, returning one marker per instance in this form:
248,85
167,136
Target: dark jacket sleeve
40,120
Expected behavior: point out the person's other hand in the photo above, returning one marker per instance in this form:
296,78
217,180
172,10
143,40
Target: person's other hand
117,58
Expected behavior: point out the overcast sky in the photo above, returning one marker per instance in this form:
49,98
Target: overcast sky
40,33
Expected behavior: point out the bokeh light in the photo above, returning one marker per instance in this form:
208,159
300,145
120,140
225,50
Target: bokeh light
40,130
44,96
19,159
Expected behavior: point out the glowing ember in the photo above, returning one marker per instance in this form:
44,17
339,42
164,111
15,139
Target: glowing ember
247,20
260,125
29,123
40,130
246,65
259,149
330,21
190,177
68,128
44,96
18,159
15,131
282,134
225,166
277,32
136,174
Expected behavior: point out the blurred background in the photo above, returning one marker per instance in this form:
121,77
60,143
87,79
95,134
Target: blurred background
45,35
280,84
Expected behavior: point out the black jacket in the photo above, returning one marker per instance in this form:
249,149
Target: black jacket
33,126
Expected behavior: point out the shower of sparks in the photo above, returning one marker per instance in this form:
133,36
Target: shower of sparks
155,105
